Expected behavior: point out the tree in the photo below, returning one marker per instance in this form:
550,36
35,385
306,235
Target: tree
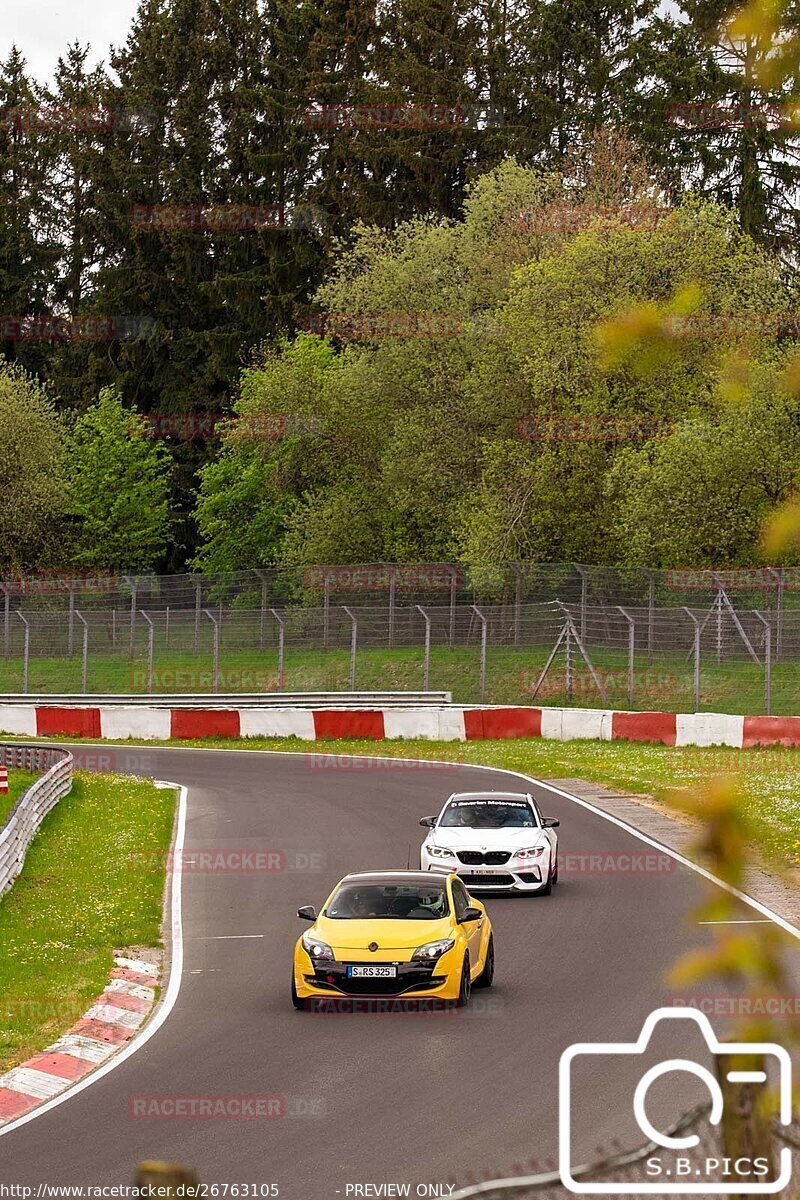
28,249
700,497
472,412
32,478
118,489
728,121
273,452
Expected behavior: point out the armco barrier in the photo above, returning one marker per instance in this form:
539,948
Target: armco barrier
438,722
34,804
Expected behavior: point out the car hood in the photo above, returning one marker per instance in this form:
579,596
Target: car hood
390,935
490,839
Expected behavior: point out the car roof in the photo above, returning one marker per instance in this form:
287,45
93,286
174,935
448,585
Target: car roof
396,876
489,795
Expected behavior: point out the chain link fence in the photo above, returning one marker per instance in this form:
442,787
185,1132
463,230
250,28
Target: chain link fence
726,642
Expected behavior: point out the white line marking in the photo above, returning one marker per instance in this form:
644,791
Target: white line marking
227,937
170,996
755,921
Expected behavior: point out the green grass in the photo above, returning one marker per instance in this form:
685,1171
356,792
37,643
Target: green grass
82,893
18,782
511,675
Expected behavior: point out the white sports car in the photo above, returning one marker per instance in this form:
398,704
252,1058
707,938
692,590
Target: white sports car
495,841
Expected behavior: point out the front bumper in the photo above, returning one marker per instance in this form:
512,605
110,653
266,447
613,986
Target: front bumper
413,980
509,877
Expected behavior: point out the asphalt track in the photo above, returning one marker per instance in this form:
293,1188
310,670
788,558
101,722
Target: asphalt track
415,1098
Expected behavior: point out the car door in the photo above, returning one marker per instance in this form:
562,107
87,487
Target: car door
549,833
473,929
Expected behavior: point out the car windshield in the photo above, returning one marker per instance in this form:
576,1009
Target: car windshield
488,814
389,901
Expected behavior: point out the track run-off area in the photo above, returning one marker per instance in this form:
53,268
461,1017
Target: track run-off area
357,1099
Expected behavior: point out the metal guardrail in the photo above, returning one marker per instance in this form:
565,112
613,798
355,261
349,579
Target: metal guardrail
233,699
33,806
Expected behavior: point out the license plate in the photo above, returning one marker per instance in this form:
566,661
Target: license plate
372,972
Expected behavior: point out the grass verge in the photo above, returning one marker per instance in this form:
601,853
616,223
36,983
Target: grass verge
80,896
511,675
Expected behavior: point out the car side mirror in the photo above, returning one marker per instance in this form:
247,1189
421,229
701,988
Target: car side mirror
307,912
550,822
428,822
471,914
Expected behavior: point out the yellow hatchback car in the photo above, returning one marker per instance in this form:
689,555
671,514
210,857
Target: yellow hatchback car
410,934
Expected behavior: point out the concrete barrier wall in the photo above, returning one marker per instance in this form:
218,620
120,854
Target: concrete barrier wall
436,722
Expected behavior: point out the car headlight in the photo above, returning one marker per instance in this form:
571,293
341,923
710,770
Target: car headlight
318,951
531,852
433,950
440,852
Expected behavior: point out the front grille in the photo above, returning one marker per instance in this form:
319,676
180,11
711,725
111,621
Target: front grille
410,978
489,858
499,879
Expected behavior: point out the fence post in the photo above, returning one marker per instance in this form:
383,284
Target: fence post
778,573
198,604
569,684
584,584
326,608
427,620
131,580
71,629
631,651
166,626
517,569
651,603
85,655
767,661
453,583
696,624
6,621
264,585
215,623
26,650
482,620
353,646
150,644
280,648
392,590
